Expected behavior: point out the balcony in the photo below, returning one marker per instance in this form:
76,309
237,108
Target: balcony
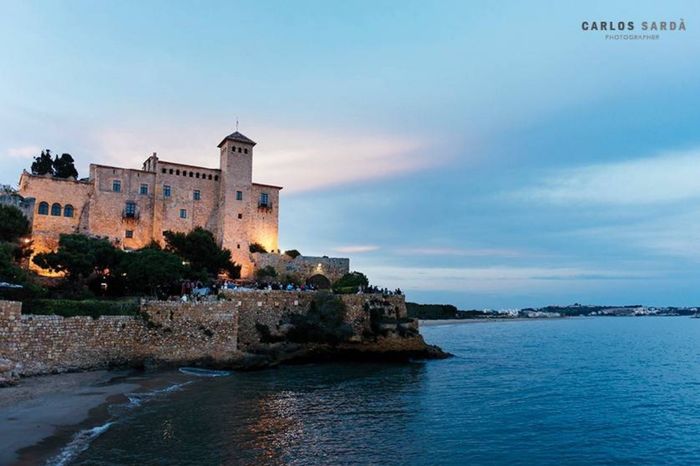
265,206
131,213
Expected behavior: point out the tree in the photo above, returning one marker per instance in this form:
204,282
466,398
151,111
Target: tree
199,249
64,167
43,164
79,256
13,223
293,253
351,283
149,270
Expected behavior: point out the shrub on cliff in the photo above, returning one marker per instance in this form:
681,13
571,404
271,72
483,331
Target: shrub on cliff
351,283
199,249
293,253
257,247
266,273
323,323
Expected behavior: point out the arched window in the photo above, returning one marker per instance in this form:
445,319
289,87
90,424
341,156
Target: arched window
56,209
43,208
68,210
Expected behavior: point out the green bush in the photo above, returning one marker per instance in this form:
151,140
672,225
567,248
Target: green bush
93,308
257,247
266,272
293,253
351,283
323,323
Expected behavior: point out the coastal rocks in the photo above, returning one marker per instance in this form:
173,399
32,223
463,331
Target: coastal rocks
9,374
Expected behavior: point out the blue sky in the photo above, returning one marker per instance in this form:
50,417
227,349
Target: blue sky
487,154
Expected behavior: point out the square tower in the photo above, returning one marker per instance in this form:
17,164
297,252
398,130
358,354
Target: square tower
235,198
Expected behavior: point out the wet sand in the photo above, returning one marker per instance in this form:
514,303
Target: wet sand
38,407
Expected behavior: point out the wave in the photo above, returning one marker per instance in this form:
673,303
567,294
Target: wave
82,440
137,398
196,371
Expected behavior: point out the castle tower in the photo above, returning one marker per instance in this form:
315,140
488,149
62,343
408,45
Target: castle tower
236,198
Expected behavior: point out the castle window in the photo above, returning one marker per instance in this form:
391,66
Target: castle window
130,209
183,213
264,200
240,215
56,210
129,234
177,172
163,170
245,150
210,176
68,210
239,150
233,149
166,191
144,189
196,175
171,171
239,195
43,208
196,195
116,186
216,177
238,246
191,175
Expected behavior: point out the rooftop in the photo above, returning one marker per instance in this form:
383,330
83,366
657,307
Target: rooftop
238,137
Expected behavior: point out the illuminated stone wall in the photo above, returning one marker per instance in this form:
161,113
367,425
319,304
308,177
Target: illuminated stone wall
304,267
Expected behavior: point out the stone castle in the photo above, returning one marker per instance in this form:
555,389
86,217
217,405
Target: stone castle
134,207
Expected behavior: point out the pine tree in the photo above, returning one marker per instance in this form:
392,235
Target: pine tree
64,167
43,165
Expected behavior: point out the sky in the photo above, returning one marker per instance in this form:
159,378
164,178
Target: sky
484,154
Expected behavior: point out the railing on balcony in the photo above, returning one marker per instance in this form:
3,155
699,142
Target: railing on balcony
265,206
131,213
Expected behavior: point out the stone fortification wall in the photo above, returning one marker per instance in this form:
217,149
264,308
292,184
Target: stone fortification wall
168,333
270,308
304,266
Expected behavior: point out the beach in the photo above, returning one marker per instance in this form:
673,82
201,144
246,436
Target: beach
39,407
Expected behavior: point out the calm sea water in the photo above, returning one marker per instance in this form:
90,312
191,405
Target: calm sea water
569,391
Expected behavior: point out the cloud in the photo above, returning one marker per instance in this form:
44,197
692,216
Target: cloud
667,177
505,279
24,152
304,160
356,249
298,160
471,252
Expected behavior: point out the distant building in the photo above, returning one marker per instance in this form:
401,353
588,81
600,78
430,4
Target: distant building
9,196
134,207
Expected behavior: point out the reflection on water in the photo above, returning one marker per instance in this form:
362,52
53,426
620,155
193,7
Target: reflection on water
577,391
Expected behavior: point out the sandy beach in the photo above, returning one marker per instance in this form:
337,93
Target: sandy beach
37,407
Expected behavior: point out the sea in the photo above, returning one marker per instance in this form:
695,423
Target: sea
601,390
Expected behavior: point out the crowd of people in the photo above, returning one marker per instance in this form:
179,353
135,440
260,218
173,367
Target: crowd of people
196,290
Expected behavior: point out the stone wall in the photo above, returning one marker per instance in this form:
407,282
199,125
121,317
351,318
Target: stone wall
270,308
169,333
304,267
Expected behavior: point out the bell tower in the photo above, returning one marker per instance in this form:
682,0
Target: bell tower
235,198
